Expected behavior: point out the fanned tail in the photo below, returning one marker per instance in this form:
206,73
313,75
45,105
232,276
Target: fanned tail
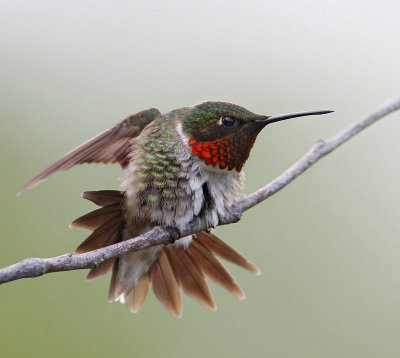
107,224
167,269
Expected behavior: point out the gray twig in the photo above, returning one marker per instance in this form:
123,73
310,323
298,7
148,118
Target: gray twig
34,267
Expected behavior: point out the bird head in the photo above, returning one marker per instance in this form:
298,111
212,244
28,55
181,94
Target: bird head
222,134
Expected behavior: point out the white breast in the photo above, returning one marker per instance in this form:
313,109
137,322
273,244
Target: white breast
224,189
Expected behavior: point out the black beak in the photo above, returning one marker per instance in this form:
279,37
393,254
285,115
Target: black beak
281,117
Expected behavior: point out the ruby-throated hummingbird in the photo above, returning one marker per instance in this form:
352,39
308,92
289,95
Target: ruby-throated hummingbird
179,168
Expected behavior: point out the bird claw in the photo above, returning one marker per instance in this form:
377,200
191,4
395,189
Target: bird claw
174,233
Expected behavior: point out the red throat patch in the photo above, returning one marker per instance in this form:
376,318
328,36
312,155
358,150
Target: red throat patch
225,152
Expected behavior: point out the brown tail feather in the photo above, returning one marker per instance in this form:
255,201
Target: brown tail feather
137,295
104,197
106,224
225,252
102,269
175,268
96,218
106,234
213,269
189,276
115,289
165,285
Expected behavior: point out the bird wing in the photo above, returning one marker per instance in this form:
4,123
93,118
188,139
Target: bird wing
111,146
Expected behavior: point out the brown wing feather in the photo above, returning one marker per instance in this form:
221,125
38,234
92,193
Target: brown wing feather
111,146
189,276
224,251
165,285
213,269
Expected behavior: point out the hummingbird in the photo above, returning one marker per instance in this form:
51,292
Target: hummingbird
179,168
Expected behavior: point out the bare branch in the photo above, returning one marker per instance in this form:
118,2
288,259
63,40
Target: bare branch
34,267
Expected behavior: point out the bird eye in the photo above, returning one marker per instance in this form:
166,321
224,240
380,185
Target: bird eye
228,121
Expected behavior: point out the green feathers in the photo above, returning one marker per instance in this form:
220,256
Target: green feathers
208,113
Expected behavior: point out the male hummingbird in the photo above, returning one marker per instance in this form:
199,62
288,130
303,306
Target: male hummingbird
179,168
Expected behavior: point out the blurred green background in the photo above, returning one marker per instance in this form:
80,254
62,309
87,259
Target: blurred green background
328,245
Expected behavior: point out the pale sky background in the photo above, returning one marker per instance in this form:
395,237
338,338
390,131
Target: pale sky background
328,245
